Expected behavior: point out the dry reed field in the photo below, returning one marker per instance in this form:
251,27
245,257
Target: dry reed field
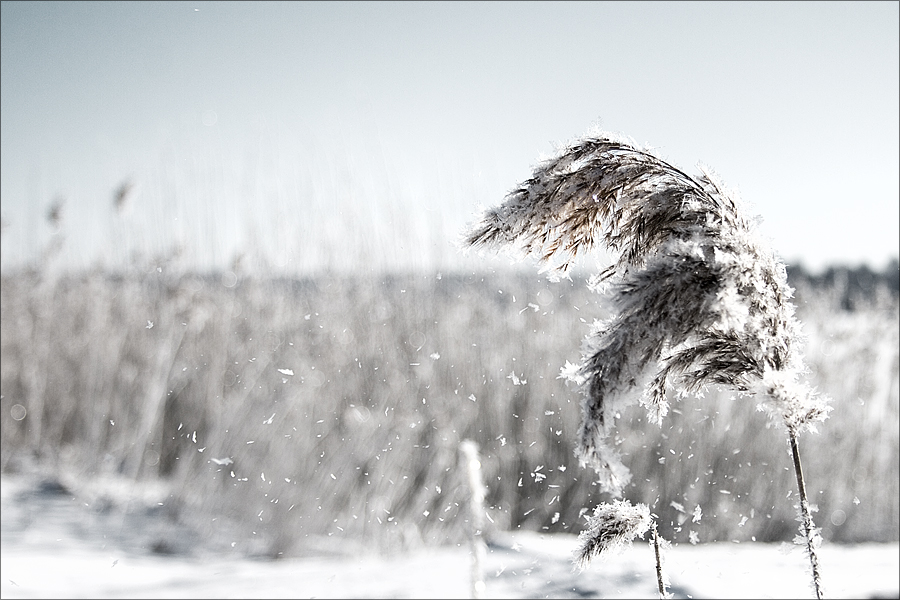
280,417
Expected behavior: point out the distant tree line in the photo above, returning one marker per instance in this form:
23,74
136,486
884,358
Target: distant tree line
850,287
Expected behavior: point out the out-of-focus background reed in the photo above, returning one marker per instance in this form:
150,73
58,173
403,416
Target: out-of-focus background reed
274,413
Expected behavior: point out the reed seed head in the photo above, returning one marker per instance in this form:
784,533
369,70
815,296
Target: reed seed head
699,299
611,528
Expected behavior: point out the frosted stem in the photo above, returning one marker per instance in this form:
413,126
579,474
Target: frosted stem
659,574
808,526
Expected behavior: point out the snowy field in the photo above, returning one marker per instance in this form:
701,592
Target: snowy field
53,547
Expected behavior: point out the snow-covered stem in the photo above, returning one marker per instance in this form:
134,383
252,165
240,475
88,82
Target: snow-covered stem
472,466
809,530
661,584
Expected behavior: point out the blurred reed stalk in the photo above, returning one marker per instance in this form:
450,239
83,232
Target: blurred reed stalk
699,298
472,465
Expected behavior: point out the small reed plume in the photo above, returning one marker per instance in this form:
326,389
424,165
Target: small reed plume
122,195
699,298
610,529
55,213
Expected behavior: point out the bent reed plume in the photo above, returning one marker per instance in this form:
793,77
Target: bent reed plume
699,299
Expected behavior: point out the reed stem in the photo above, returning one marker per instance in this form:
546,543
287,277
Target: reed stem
659,574
808,526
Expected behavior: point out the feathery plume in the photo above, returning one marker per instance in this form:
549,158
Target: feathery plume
699,299
611,528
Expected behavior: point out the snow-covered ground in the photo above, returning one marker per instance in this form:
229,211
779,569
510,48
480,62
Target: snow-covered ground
53,547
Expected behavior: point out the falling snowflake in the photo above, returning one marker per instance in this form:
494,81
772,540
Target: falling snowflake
515,379
698,513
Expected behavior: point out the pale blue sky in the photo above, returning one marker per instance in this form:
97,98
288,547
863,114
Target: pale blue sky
369,133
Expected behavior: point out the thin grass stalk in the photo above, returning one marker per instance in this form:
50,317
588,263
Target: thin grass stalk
661,584
809,530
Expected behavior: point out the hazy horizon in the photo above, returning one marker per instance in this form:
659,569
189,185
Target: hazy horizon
365,136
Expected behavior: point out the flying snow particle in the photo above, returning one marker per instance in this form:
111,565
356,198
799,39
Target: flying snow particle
285,371
698,513
515,379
